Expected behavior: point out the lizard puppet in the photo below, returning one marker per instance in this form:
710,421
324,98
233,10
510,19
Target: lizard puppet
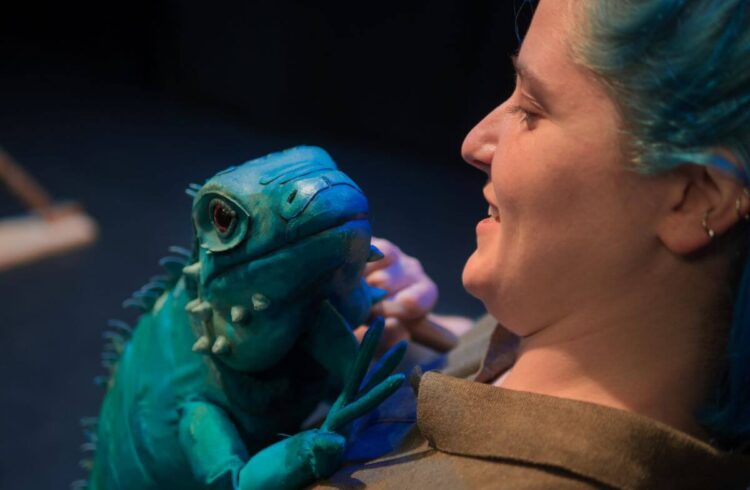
245,340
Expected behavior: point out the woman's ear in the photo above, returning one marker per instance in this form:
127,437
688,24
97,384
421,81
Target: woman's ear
701,200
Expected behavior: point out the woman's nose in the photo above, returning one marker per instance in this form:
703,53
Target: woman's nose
479,145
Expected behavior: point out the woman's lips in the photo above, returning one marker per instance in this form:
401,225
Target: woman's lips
490,221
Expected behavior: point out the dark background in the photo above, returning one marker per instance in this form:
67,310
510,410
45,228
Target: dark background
120,105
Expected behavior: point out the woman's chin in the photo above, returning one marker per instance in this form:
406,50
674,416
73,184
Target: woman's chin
474,277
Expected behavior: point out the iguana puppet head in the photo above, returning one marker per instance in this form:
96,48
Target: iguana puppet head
276,237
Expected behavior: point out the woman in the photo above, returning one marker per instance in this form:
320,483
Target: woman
617,187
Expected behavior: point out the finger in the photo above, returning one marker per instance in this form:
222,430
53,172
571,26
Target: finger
363,359
390,252
400,275
370,400
411,302
431,334
393,333
377,309
386,246
377,294
392,278
360,332
371,267
385,366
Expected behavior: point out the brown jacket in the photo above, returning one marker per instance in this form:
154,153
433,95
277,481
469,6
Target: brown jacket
473,435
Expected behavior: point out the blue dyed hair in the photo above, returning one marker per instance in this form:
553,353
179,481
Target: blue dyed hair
679,71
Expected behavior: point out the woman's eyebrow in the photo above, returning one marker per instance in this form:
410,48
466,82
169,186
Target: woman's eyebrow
531,81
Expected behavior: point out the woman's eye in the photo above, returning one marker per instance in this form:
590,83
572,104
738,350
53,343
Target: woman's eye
222,216
527,117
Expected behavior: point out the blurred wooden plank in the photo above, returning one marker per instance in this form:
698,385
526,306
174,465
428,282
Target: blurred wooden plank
29,238
23,185
50,230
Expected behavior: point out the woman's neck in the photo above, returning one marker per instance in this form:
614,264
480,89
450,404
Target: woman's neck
648,351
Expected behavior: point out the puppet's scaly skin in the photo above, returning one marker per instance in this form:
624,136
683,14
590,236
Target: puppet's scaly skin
241,347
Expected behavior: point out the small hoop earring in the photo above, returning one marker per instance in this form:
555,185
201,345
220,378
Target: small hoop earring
709,231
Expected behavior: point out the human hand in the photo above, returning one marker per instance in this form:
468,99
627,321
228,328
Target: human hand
411,297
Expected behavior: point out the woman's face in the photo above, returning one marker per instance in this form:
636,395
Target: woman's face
573,225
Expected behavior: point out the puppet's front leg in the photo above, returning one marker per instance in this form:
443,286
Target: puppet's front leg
216,452
218,457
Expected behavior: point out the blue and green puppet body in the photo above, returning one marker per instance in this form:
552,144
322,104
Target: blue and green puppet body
246,339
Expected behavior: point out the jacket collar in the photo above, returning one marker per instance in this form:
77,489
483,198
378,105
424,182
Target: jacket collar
609,446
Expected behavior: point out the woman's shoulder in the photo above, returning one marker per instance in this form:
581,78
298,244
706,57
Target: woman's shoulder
473,435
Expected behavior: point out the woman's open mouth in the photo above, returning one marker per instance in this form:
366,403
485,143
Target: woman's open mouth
493,213
491,221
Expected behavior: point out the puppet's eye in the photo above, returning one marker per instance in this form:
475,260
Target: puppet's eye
223,217
220,222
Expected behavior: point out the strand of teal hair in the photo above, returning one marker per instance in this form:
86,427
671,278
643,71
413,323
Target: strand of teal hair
680,71
654,54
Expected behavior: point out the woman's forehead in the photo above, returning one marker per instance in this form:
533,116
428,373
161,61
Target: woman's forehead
547,54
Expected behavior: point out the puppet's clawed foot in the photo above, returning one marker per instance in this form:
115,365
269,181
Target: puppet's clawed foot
294,462
325,451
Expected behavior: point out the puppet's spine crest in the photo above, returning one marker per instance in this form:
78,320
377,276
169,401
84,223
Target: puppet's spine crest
118,334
